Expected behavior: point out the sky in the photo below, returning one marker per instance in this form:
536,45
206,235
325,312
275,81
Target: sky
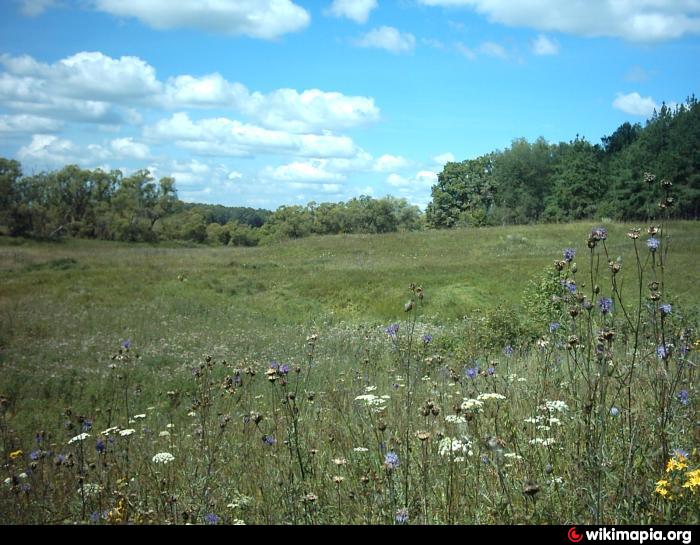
265,103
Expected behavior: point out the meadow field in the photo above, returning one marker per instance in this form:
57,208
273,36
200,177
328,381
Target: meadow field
471,376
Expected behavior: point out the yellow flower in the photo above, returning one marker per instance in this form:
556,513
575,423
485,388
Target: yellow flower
661,489
693,480
16,454
676,463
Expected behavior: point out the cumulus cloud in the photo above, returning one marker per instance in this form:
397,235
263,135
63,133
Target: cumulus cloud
266,19
388,38
492,49
308,172
544,46
421,180
444,158
90,86
388,163
23,123
635,104
633,20
48,149
356,10
231,138
32,8
127,148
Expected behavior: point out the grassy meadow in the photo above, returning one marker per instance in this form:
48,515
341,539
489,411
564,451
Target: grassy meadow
171,384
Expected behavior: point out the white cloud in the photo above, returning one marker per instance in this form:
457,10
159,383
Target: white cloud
266,19
48,149
357,10
544,46
444,158
492,49
387,163
127,148
635,104
634,20
28,124
307,172
211,90
389,38
32,8
422,179
465,51
230,138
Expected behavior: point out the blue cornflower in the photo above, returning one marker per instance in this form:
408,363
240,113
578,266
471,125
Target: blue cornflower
87,425
665,309
392,330
427,339
569,254
100,446
237,379
211,518
472,372
269,440
283,369
508,351
94,517
653,244
680,453
569,285
683,397
605,304
662,352
491,371
126,344
274,365
35,455
554,326
391,460
614,411
401,516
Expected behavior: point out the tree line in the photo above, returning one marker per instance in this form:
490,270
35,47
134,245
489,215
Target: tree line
525,183
541,182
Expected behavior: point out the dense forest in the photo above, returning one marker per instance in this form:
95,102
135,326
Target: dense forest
525,183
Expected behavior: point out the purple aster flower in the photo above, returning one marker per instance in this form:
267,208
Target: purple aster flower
605,305
614,411
269,440
472,372
554,326
665,309
211,518
683,397
126,344
427,339
401,516
391,460
662,352
392,330
653,244
569,254
508,351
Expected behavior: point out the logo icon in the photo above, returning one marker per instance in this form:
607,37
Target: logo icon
573,535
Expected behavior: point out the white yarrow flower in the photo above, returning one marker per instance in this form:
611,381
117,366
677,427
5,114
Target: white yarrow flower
79,438
127,432
163,458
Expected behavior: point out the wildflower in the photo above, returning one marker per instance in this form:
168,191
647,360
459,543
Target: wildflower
211,518
662,351
427,339
360,449
100,446
449,445
127,432
554,326
16,454
340,461
269,440
392,330
570,286
337,479
665,309
401,516
486,397
163,458
391,460
164,433
599,233
90,490
548,442
605,305
683,397
692,480
110,430
661,488
472,372
559,406
633,233
455,419
569,254
309,498
614,411
680,453
423,435
35,455
126,344
79,438
653,244
87,425
508,351
676,463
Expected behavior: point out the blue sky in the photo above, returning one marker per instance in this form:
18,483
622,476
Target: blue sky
269,102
